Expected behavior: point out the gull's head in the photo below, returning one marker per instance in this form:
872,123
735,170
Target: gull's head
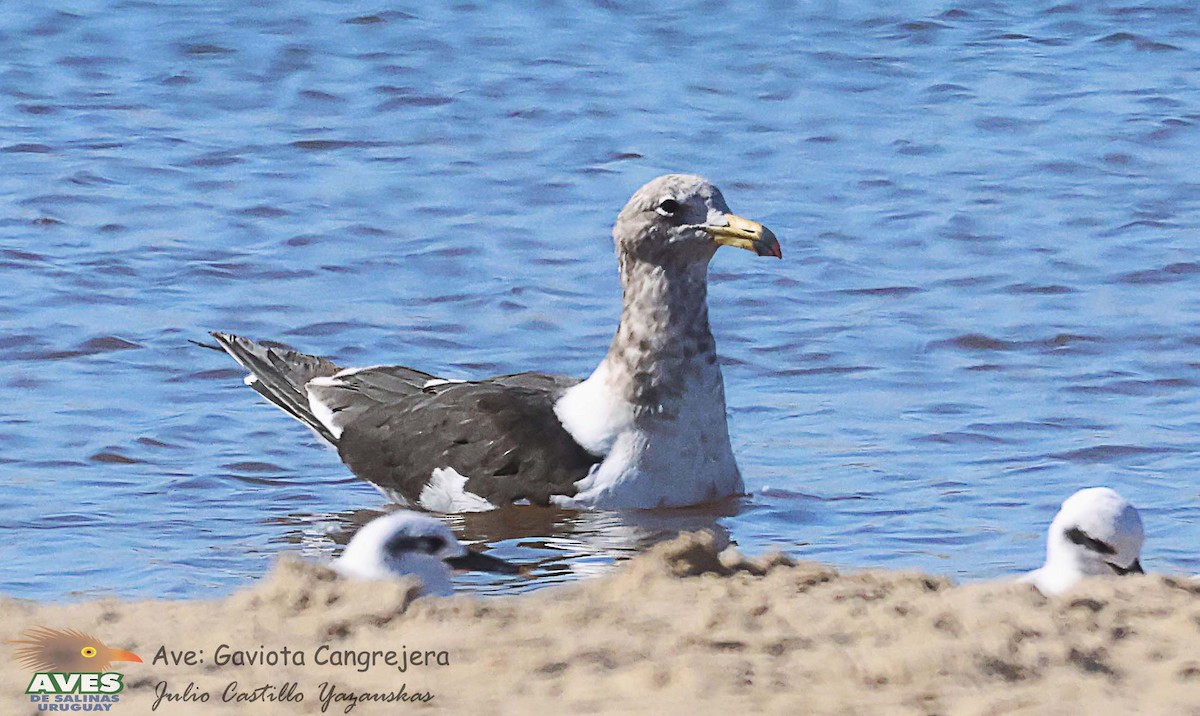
1096,532
683,219
408,543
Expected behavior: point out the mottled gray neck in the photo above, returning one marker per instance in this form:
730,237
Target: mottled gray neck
664,339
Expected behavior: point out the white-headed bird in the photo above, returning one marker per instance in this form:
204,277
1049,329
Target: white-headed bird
1097,532
406,543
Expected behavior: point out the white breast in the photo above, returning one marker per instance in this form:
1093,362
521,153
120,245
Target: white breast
666,458
593,414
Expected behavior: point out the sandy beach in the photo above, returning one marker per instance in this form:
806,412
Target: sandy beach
681,629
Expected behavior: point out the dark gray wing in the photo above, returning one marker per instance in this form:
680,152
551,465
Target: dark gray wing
345,397
280,375
501,434
289,379
394,426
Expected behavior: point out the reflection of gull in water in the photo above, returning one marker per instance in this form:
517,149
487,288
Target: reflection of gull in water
1097,532
406,543
586,543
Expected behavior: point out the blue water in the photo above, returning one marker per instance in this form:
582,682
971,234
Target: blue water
988,213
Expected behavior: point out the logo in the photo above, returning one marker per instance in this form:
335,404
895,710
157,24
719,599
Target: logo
71,669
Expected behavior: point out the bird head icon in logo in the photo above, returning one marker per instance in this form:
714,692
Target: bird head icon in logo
67,651
70,667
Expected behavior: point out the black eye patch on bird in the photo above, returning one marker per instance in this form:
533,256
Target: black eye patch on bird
1080,537
402,543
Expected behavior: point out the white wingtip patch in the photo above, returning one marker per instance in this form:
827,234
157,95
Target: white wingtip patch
434,382
324,414
250,379
446,492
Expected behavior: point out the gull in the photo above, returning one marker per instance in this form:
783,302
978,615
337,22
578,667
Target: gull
647,429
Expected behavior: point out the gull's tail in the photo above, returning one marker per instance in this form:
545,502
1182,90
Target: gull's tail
279,375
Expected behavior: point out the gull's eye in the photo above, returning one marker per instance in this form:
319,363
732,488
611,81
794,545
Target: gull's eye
434,544
88,651
668,207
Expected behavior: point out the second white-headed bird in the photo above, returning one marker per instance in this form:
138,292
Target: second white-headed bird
1095,533
406,543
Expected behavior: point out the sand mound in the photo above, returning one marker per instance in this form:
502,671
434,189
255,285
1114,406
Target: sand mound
683,628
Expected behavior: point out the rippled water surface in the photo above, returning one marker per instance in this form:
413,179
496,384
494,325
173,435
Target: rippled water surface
989,298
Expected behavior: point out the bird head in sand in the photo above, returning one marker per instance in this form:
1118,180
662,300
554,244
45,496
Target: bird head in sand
1096,533
407,543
